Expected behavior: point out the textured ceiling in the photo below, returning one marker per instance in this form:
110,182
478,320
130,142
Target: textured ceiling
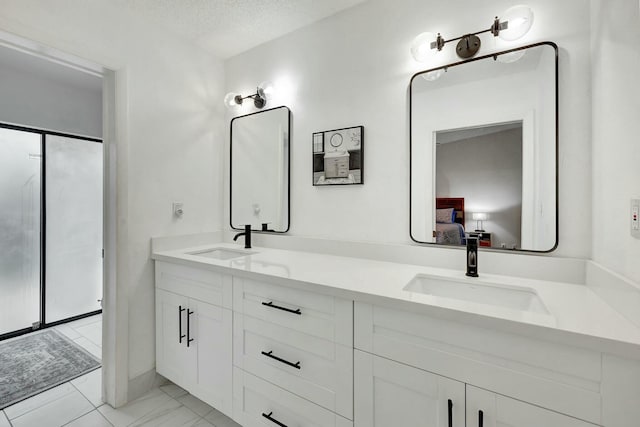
229,27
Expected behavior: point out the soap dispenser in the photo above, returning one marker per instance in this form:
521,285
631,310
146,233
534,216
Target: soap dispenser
472,257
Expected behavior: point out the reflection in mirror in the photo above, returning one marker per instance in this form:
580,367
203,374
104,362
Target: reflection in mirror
485,165
260,170
483,151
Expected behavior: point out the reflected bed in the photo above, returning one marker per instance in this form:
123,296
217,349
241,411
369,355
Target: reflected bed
450,231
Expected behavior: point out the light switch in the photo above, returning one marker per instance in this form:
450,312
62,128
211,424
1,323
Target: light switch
177,209
635,218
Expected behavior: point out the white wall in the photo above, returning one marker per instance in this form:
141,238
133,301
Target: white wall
487,171
354,69
33,93
169,139
616,130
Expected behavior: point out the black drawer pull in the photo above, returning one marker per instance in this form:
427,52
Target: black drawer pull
450,413
480,418
273,420
272,305
286,362
189,339
180,335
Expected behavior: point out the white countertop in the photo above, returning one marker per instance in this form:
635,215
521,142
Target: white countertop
579,316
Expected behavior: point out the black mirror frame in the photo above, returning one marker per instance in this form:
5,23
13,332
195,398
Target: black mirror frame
288,171
557,122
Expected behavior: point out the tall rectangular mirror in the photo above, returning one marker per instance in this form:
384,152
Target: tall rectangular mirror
484,151
260,170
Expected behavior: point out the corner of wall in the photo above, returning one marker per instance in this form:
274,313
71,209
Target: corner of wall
619,292
142,384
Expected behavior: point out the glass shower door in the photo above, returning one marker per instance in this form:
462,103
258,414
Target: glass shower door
73,255
20,239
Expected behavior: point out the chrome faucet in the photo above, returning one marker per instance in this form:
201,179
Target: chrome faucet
247,236
472,256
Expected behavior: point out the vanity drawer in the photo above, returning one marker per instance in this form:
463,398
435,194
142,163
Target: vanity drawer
561,378
255,399
204,285
321,316
318,370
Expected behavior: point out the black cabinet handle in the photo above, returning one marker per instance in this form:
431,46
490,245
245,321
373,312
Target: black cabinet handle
286,362
480,418
273,420
180,335
450,413
189,339
288,310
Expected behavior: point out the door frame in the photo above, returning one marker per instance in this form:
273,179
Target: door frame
115,315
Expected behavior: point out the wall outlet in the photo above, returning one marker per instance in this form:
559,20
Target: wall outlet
177,209
635,217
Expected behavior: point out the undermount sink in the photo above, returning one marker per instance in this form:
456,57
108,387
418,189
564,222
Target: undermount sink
476,291
221,254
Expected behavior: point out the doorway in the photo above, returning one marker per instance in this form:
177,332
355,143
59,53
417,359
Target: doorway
41,107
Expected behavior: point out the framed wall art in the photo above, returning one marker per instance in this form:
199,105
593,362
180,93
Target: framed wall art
338,156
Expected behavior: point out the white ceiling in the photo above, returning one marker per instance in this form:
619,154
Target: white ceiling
229,27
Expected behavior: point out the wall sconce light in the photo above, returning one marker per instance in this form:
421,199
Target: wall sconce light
514,24
264,92
479,217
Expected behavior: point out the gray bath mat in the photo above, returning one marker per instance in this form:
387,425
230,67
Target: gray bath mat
37,362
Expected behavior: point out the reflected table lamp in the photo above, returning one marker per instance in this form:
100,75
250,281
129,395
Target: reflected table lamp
479,217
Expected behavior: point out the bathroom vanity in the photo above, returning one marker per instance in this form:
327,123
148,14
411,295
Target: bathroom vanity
275,337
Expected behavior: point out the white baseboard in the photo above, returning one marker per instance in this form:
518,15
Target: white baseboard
142,384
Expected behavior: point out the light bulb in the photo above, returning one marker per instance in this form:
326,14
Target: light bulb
507,58
519,21
433,75
230,100
421,47
267,89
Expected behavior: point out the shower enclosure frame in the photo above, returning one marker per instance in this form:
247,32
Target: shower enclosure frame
42,324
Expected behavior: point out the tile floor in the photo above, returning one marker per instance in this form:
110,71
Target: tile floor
78,403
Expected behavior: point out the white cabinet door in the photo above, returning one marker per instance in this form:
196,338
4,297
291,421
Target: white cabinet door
388,393
487,409
194,348
210,329
551,375
173,360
